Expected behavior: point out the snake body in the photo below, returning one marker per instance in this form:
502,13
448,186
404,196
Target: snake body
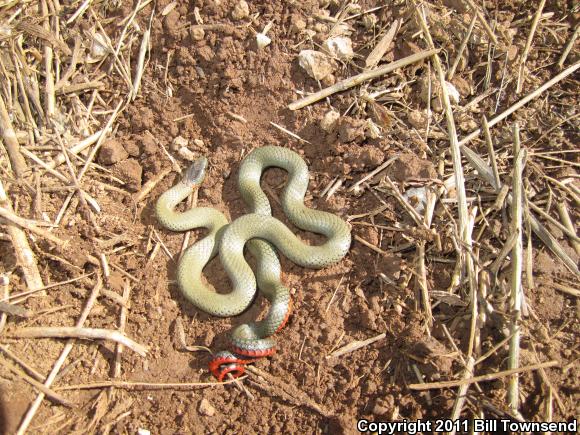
261,233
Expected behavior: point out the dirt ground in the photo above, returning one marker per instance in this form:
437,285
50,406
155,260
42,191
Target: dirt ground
223,94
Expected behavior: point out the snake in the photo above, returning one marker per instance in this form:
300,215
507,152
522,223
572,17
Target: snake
264,236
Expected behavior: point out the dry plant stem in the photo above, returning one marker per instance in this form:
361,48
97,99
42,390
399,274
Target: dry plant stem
31,371
150,185
100,141
355,345
463,216
461,48
374,172
553,244
419,377
483,21
370,245
565,218
5,291
462,392
77,332
382,46
536,226
359,78
568,290
491,151
29,292
40,32
60,362
50,98
24,254
546,380
38,385
41,163
140,64
17,161
15,310
26,224
568,47
77,186
422,283
559,77
516,290
571,233
75,149
122,322
526,51
130,385
483,378
408,207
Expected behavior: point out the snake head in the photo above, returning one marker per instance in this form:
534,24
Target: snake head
195,174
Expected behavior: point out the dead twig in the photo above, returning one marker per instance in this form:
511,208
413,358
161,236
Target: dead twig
483,21
132,385
24,254
355,345
27,225
11,142
359,78
516,291
60,361
520,82
496,119
568,47
84,333
483,378
38,385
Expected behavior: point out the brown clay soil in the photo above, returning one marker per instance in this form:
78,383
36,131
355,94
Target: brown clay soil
222,94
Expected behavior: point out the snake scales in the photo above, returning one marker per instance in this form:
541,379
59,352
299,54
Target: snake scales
262,234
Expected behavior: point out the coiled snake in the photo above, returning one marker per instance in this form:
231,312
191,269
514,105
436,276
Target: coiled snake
261,233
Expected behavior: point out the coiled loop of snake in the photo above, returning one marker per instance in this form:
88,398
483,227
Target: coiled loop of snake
259,231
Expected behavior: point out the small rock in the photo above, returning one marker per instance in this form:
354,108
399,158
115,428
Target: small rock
329,80
206,408
196,33
298,25
131,172
351,129
317,64
328,122
149,145
111,152
339,47
463,86
240,10
132,148
417,119
368,320
178,142
186,154
262,40
384,406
